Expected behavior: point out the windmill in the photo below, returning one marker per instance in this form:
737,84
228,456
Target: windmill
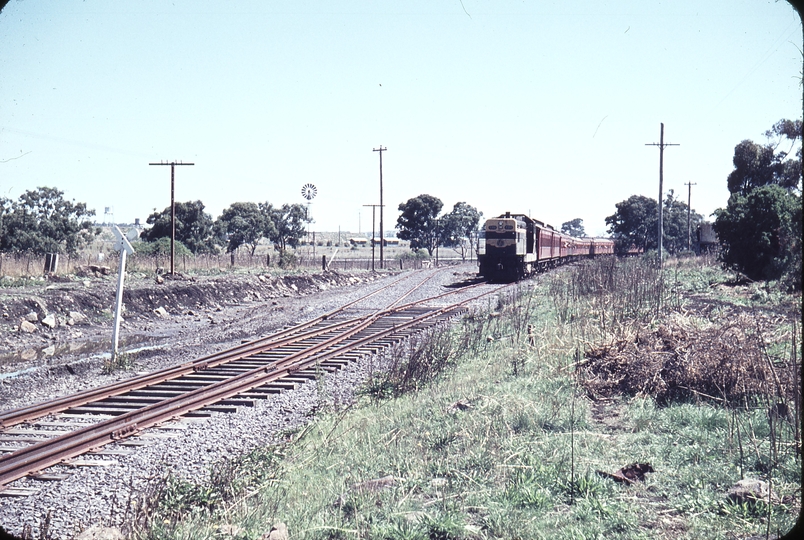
309,191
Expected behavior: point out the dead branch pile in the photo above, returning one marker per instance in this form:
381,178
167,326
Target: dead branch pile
727,363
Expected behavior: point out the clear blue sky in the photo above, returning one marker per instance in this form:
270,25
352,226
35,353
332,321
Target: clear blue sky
524,106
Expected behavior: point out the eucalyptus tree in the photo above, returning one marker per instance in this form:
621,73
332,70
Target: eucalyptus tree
194,227
43,221
417,222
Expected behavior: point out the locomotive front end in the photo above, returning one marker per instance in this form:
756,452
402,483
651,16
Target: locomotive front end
504,249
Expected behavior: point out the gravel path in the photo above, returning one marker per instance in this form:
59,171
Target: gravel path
189,448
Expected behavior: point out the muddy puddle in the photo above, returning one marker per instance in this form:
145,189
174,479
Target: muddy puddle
85,349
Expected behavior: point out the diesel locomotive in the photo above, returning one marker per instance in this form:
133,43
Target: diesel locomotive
513,246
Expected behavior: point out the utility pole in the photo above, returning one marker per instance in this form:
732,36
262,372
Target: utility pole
437,239
689,214
382,233
173,165
661,144
373,211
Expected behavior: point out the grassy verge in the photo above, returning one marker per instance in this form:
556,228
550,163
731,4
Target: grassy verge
518,440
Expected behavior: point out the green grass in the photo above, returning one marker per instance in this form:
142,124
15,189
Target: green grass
502,444
122,362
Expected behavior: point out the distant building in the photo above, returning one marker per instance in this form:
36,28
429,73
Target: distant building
706,238
386,241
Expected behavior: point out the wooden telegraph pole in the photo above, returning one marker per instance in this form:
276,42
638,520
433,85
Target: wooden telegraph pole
661,144
382,233
689,214
173,165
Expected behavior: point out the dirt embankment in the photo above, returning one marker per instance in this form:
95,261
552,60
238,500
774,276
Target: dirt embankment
63,317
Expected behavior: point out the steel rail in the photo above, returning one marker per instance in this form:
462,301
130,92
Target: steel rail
53,451
24,414
19,415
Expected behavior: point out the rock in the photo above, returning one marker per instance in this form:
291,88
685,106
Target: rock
88,283
160,280
161,312
98,532
76,317
28,328
32,317
295,288
278,532
49,351
99,270
750,490
439,482
50,321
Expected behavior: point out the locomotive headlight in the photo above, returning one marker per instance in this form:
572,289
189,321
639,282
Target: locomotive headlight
500,223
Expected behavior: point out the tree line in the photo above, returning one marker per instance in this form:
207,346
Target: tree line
635,222
242,224
419,222
759,230
43,221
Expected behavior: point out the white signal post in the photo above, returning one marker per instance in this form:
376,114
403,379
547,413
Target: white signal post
124,247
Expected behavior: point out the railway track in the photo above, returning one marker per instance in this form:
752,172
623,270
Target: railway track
40,436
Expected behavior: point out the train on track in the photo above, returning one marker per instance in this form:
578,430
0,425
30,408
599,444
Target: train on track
513,246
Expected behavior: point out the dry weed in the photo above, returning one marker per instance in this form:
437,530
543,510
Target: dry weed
728,363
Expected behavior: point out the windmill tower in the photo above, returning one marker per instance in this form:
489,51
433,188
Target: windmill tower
309,191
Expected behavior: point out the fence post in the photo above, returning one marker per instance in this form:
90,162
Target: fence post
51,263
324,262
